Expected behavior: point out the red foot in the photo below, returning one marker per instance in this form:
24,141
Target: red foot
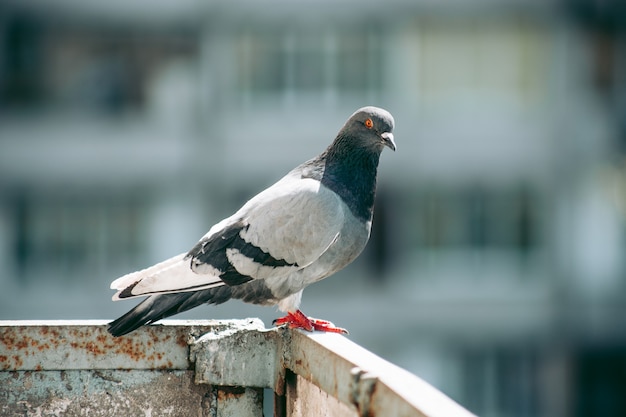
298,320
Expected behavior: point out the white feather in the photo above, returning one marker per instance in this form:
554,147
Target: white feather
172,275
291,303
131,278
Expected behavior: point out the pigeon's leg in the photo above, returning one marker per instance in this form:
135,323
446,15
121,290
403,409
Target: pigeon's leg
297,320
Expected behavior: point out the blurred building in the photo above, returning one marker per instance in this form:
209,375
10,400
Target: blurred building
496,267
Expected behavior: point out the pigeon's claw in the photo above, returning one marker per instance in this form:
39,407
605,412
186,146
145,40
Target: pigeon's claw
297,320
326,326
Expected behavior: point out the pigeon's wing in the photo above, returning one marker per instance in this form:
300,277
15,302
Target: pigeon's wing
283,229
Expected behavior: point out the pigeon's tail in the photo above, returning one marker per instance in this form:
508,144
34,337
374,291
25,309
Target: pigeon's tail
157,307
148,311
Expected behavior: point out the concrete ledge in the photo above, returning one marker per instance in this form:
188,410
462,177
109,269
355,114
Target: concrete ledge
242,354
212,367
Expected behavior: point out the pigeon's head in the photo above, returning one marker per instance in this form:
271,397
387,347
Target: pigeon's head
372,126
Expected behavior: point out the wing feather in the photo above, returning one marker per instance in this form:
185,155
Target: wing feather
295,222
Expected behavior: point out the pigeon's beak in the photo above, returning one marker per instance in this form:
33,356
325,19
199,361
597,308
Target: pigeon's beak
388,141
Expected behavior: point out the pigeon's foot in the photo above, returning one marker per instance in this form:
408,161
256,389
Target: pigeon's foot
298,320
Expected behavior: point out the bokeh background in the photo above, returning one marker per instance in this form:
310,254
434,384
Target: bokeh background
496,268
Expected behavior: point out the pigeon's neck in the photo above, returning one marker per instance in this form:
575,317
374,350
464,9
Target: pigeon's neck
350,171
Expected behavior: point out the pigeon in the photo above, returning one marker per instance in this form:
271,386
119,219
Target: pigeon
307,226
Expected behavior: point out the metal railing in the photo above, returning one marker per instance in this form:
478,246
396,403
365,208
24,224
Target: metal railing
201,368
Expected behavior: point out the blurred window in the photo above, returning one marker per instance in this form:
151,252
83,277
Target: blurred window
359,62
74,235
496,58
21,61
262,63
599,381
86,67
309,62
310,57
501,382
476,218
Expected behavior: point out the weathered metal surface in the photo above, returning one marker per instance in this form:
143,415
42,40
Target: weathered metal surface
236,402
60,368
69,345
306,399
243,354
102,393
359,378
77,368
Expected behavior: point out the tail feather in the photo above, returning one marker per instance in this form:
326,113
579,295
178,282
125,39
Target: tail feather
170,276
160,306
131,278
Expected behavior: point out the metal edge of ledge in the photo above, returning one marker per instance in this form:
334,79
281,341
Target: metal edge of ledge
357,377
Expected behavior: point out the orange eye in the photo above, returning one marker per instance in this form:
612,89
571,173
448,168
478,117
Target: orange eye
369,124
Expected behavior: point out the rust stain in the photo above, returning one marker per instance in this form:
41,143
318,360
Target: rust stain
230,393
17,360
182,340
125,346
16,344
167,365
371,412
23,344
49,333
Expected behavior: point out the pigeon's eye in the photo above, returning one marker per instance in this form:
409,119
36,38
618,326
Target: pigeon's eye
369,124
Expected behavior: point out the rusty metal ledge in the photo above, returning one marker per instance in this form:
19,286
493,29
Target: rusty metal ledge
224,353
85,345
357,377
75,368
